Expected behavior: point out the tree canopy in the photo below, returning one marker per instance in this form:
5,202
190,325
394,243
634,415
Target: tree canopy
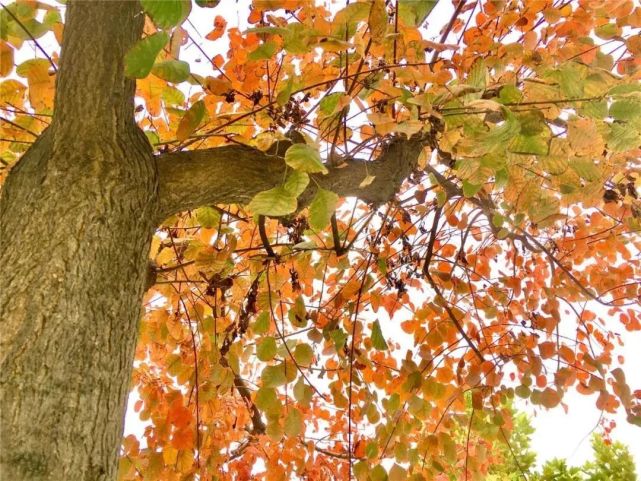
612,461
361,226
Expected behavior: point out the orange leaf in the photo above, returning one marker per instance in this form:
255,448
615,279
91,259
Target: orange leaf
219,28
191,120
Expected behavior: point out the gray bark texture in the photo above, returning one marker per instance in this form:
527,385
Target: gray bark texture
75,226
77,215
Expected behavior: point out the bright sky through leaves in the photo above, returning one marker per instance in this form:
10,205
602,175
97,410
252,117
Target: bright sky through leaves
316,329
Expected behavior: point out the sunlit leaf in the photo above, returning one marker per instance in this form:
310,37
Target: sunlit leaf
296,183
140,59
304,158
6,59
208,217
378,341
321,209
274,376
191,120
303,354
274,202
167,13
174,71
264,52
293,423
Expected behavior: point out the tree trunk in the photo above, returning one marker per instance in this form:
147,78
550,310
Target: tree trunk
76,220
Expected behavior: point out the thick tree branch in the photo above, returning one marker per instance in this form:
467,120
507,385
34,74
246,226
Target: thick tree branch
233,174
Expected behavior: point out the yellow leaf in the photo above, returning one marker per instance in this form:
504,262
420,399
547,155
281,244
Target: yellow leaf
584,137
378,20
169,455
191,120
41,84
12,92
367,181
6,59
218,86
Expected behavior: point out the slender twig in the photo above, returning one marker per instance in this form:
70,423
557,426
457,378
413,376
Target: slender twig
448,28
467,442
438,292
281,335
17,20
338,248
19,127
264,238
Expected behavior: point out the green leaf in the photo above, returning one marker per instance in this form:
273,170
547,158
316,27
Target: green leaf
298,313
261,324
283,96
415,12
303,354
397,473
174,71
329,103
378,473
304,158
503,134
265,51
191,120
267,400
371,450
339,337
207,217
140,59
274,376
346,19
622,89
296,183
510,94
449,449
321,209
469,189
296,38
478,75
523,391
266,349
586,169
293,423
607,31
413,381
207,3
274,202
152,137
498,220
625,110
570,79
167,13
596,109
172,96
530,145
501,178
378,341
302,392
623,137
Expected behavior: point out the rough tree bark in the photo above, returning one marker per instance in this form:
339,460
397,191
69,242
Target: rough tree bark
76,218
75,223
